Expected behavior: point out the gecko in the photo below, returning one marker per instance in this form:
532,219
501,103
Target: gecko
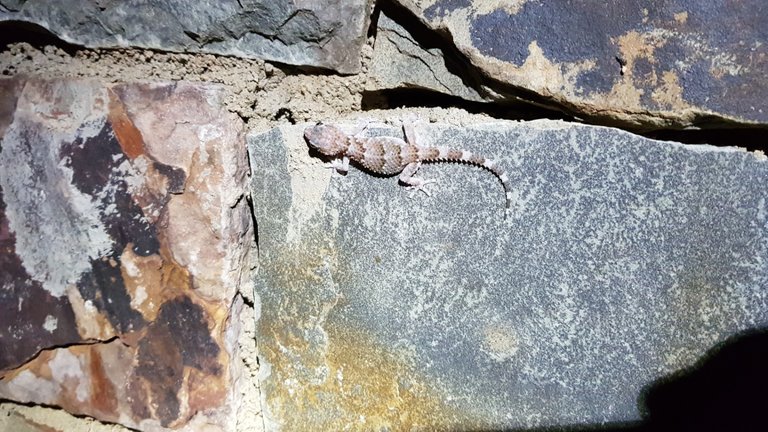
390,155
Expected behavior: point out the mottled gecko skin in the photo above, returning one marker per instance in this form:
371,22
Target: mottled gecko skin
390,155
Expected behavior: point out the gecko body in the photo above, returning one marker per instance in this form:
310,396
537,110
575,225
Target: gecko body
389,155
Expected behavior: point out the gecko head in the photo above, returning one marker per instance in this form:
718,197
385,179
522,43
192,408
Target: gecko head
328,140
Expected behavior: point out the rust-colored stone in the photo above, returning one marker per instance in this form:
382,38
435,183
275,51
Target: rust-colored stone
127,134
119,256
103,395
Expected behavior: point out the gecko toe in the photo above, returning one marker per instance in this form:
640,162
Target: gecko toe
420,186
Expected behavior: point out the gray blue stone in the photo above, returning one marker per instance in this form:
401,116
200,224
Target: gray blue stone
623,260
327,34
651,64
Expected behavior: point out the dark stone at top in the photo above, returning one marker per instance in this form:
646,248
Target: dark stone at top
327,34
686,61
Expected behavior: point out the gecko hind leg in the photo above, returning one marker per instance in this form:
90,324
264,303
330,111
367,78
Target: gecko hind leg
414,183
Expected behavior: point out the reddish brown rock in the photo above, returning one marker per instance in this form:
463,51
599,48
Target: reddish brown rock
123,241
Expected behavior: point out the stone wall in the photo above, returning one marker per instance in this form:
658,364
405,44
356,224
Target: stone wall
174,257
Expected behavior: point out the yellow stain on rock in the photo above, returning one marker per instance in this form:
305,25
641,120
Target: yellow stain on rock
669,94
500,341
355,385
633,99
626,95
327,373
681,17
485,7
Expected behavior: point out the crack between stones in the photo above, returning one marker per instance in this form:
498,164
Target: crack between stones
60,409
422,61
64,346
250,303
252,212
706,128
519,101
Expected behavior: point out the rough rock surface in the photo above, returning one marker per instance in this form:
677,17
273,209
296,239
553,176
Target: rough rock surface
328,33
124,237
623,260
20,418
400,61
652,64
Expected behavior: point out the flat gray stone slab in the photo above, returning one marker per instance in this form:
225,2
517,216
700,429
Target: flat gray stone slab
327,34
684,61
623,260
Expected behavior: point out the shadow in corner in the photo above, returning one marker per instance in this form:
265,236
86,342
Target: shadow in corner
12,32
726,390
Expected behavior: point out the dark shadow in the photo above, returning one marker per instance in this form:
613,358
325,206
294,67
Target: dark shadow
454,60
12,32
254,221
413,97
751,139
726,390
284,114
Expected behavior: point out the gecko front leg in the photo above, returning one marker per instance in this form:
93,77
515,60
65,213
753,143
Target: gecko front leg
407,176
414,183
341,166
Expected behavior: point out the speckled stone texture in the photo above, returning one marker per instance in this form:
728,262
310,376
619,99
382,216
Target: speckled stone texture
643,63
623,260
124,237
326,33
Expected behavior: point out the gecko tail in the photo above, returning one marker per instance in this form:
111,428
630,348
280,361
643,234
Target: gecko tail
437,154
